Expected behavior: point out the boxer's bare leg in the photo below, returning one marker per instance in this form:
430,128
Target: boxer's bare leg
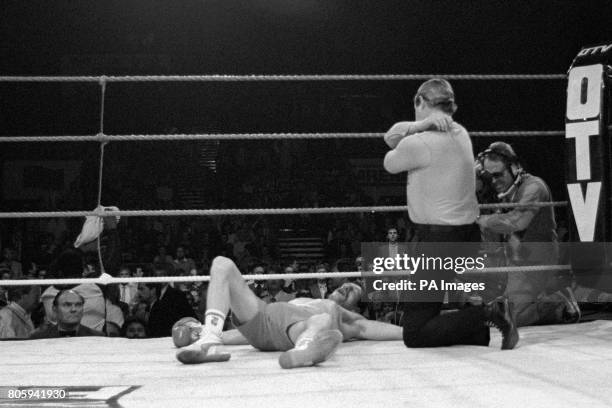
315,341
227,290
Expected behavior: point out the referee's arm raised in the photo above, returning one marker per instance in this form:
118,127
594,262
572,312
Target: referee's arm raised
435,121
410,154
399,131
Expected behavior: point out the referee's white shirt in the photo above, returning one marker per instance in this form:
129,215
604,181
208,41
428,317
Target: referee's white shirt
441,183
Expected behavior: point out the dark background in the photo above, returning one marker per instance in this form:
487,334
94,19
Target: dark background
285,37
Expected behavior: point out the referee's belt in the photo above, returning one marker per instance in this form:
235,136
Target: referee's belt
443,228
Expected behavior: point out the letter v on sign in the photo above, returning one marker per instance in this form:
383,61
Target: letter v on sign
585,208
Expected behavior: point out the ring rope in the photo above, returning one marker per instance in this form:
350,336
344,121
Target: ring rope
250,211
268,78
294,276
103,138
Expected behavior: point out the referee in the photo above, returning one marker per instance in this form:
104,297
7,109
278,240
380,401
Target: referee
437,154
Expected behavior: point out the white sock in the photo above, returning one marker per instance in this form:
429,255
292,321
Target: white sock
303,343
213,322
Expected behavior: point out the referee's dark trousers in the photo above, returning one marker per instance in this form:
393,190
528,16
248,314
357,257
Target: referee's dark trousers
423,325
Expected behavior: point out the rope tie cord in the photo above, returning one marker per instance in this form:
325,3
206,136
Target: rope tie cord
295,276
101,165
269,78
250,211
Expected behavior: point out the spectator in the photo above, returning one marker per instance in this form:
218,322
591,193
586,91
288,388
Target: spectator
205,260
5,274
392,236
162,256
265,256
383,301
9,262
70,265
48,250
192,290
111,329
320,289
166,304
68,307
90,269
139,273
182,264
359,263
15,320
194,285
141,310
240,242
258,287
32,270
134,328
127,291
115,310
274,287
289,285
164,269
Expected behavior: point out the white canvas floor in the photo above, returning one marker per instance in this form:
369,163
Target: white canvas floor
554,366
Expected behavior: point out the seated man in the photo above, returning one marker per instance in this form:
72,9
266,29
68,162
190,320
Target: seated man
166,305
70,265
15,320
306,330
275,292
68,307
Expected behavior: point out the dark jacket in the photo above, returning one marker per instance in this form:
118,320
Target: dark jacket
166,311
53,332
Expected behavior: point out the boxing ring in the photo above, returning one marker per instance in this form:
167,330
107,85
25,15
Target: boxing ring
554,366
560,366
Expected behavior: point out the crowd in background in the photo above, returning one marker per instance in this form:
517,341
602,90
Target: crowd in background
182,246
178,248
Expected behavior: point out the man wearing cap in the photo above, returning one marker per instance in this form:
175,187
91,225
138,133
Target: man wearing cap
436,152
531,236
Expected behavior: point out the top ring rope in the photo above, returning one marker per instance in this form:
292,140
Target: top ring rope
268,78
296,276
103,138
250,211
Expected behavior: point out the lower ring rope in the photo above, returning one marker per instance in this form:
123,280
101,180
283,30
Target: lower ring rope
293,276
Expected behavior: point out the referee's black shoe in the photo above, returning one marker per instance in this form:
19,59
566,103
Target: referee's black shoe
498,314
